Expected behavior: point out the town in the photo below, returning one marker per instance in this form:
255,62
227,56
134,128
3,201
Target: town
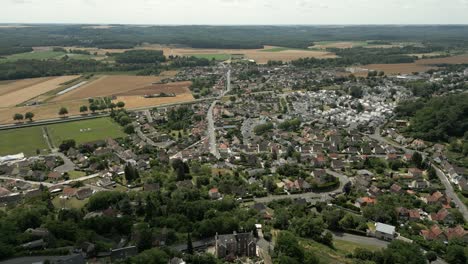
268,159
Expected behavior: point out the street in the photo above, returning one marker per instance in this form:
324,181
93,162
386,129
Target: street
443,178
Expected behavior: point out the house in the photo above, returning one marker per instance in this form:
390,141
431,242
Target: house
402,213
337,164
443,216
374,191
384,231
235,245
38,232
36,244
54,176
214,193
123,253
363,201
84,193
437,197
457,233
69,192
395,188
419,184
415,172
414,215
434,233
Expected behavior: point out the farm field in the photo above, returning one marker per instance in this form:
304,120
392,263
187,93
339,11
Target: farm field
219,57
135,102
34,55
85,131
18,93
418,66
10,86
41,112
402,68
26,140
321,45
261,56
108,85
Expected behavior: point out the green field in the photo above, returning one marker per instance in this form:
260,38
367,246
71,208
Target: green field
85,131
278,49
220,57
336,255
26,140
35,55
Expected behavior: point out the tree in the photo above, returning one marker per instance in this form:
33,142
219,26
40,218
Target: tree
112,106
189,244
67,144
129,129
402,252
288,245
83,109
18,117
63,111
120,104
431,256
356,92
29,115
417,159
431,173
456,255
145,238
93,107
131,173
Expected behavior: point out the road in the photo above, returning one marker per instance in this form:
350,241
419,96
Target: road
211,131
142,136
48,184
149,117
67,166
450,192
209,117
309,196
443,178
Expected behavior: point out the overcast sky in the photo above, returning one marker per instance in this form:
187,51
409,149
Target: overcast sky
235,11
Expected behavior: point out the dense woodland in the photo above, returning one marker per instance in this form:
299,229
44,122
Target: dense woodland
121,36
437,119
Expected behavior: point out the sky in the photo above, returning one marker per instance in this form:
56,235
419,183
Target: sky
235,12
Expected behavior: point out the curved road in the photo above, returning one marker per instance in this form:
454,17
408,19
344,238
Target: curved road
309,195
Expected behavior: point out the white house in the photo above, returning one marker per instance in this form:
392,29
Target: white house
384,231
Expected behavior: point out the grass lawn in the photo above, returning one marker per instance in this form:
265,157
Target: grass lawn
278,49
76,174
26,140
215,56
69,203
36,55
85,131
337,255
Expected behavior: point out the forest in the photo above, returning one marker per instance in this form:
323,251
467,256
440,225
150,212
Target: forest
438,118
248,37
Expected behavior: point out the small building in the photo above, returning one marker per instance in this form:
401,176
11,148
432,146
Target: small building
235,245
123,253
384,231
